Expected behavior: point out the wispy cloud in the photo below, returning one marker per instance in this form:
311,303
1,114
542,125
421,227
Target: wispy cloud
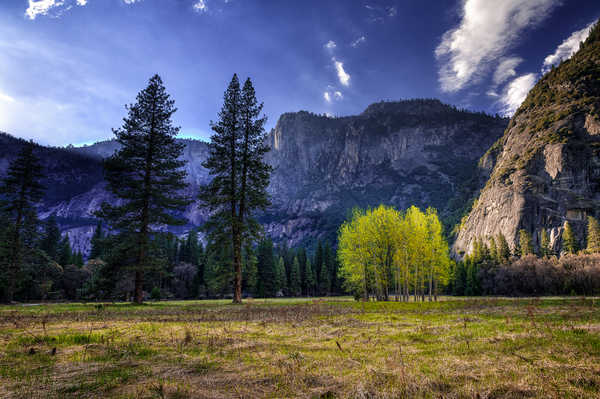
567,48
506,69
343,76
516,92
330,45
487,29
358,41
330,94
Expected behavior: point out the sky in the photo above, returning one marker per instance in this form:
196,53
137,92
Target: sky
69,67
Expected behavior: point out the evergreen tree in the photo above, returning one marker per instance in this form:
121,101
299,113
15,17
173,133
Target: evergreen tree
544,243
303,276
318,264
250,271
295,287
593,235
64,251
310,279
146,174
97,242
493,250
78,259
266,269
502,248
50,238
281,276
460,279
569,242
20,190
324,277
525,243
240,175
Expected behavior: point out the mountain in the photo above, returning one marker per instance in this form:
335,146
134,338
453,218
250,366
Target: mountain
420,152
546,166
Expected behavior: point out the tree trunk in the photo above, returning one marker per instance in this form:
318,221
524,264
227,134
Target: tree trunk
237,266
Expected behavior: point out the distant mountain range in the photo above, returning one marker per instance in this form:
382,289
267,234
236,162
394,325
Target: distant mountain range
420,152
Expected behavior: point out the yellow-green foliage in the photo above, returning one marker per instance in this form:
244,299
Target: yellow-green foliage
383,250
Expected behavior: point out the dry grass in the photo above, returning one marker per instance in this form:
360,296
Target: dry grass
473,348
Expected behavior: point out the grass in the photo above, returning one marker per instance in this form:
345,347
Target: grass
325,348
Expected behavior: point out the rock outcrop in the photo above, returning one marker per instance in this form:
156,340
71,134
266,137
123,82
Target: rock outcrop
547,164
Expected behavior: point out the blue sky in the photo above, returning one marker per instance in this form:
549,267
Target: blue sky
68,67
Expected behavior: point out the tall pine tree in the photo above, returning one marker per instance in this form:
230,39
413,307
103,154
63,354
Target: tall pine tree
240,175
569,242
146,174
21,190
593,235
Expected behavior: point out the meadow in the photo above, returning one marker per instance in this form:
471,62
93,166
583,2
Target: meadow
305,348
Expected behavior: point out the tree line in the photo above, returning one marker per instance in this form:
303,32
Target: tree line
147,180
494,268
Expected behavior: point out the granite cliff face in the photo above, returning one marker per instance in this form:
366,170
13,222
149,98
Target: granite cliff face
547,169
418,152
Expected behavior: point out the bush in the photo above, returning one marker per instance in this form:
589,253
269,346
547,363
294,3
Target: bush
155,294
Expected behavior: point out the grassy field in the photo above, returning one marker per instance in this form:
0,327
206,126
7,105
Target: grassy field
455,348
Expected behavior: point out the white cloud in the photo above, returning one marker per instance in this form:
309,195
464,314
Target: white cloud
516,92
392,12
358,41
506,69
567,48
6,98
41,7
82,2
330,45
330,94
342,75
487,30
200,6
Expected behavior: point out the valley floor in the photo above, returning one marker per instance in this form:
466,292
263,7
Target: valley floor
308,348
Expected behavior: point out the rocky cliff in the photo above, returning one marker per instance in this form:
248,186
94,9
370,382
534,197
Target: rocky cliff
547,164
418,152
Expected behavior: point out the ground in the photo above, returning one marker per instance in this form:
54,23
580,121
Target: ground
307,348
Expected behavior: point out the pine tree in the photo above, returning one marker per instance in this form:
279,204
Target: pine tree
502,248
97,242
266,285
544,243
310,279
593,235
460,279
240,175
324,284
249,270
146,174
569,242
295,287
525,243
64,251
50,238
318,264
493,250
281,276
21,190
